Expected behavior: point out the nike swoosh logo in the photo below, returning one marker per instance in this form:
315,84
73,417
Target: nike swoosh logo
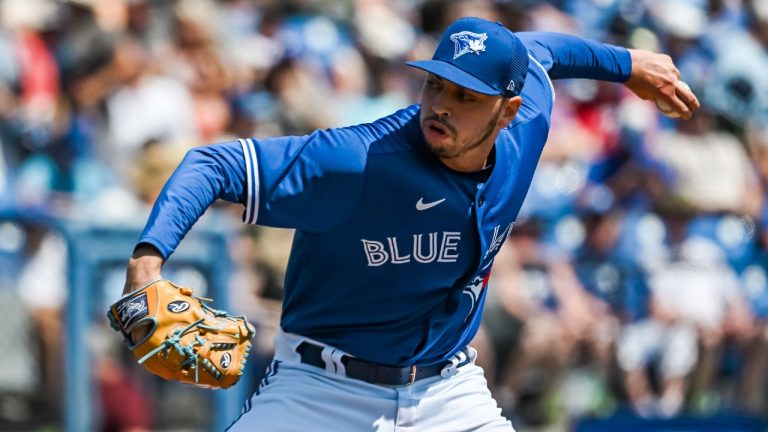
420,205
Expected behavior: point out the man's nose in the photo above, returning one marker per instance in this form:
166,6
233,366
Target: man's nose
440,105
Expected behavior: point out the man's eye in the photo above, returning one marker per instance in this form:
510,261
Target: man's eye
466,97
433,84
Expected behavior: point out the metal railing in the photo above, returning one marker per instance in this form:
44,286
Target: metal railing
92,251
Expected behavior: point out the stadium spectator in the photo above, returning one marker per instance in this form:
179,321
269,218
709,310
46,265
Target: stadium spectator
537,316
94,95
695,150
617,285
695,299
752,388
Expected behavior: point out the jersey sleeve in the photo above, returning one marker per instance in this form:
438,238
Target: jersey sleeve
311,183
566,56
538,93
203,176
558,56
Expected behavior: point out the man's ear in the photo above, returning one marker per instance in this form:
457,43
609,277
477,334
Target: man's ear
509,110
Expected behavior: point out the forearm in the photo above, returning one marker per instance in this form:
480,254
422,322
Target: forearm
205,175
565,56
649,75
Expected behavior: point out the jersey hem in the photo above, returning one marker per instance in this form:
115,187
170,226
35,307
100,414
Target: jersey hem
157,244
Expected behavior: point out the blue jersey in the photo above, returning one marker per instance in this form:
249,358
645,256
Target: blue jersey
392,250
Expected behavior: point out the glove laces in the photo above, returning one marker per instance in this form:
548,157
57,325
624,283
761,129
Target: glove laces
191,358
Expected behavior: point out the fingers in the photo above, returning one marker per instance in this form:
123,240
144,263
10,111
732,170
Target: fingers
655,77
680,99
686,95
680,107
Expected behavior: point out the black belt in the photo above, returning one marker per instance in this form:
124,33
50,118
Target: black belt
375,373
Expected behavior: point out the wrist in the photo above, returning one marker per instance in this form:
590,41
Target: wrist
635,62
144,267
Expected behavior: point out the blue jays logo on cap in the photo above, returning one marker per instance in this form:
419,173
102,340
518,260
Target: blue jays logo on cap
500,63
467,42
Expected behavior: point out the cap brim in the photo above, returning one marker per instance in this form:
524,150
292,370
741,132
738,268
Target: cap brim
453,74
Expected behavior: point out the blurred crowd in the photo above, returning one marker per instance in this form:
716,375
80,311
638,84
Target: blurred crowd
635,279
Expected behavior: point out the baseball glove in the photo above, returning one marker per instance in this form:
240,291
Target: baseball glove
186,340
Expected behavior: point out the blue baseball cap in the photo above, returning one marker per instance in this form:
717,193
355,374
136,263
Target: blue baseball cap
480,55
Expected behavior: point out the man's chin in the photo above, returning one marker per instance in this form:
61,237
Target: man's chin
443,147
442,150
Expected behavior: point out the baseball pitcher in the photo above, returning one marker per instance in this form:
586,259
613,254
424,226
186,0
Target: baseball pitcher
397,226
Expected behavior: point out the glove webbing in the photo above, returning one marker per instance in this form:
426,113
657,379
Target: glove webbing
187,351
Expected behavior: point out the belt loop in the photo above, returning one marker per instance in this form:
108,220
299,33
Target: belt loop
461,356
471,353
336,356
451,368
327,355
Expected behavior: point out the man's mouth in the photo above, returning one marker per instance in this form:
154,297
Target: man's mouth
436,129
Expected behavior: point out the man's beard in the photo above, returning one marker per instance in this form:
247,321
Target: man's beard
450,152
